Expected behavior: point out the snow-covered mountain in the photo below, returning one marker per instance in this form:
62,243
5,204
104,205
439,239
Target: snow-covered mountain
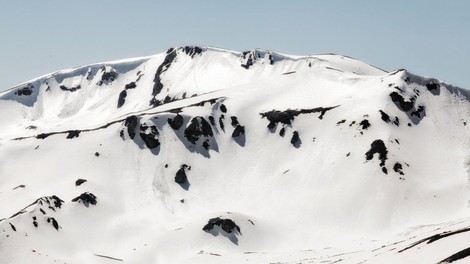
204,155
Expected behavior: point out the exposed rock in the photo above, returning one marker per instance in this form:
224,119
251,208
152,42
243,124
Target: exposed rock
19,186
377,146
54,223
385,117
398,168
287,116
131,124
122,98
86,198
131,85
420,112
212,120
234,121
238,131
295,140
158,85
226,224
400,102
223,108
282,132
80,182
97,154
25,91
107,76
71,89
180,176
176,122
197,128
364,124
247,59
221,122
432,86
73,134
192,50
149,135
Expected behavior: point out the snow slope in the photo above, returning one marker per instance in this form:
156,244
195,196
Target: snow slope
315,159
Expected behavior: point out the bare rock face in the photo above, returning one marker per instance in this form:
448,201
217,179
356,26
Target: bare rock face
226,224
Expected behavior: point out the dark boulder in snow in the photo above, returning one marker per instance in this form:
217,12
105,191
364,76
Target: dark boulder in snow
385,117
295,140
176,122
226,224
238,131
86,198
122,98
180,176
223,108
378,146
398,168
80,182
234,121
149,135
107,76
131,85
53,222
73,134
131,124
198,127
364,124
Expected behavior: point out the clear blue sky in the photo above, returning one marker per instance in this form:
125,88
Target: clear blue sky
427,37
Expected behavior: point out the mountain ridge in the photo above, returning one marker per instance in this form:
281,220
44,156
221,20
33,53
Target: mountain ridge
200,156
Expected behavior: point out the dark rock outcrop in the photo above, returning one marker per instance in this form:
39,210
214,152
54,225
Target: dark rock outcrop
80,182
131,85
131,124
286,117
198,127
149,135
25,91
73,134
158,85
71,89
180,176
238,131
295,140
86,198
122,98
226,224
378,146
192,50
176,122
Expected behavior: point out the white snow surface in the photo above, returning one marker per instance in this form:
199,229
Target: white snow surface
318,199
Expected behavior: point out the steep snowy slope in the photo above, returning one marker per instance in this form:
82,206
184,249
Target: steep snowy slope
203,155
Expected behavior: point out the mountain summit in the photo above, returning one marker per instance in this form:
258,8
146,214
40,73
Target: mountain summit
205,155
